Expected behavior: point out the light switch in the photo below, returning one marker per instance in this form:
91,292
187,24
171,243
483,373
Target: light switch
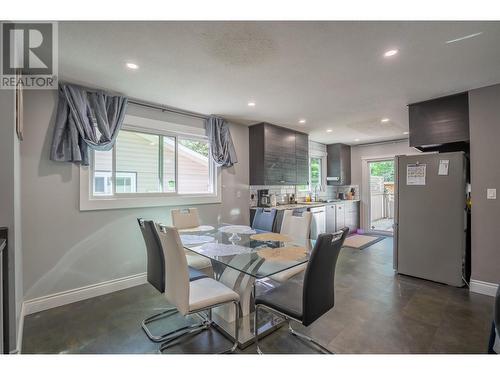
238,194
491,193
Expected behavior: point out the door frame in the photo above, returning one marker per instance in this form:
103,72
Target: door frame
365,192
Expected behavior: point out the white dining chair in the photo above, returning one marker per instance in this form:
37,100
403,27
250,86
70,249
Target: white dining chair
185,219
298,228
192,297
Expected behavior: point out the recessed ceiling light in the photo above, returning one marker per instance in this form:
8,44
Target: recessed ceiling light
302,121
391,52
329,130
251,104
132,66
405,133
463,38
356,140
385,119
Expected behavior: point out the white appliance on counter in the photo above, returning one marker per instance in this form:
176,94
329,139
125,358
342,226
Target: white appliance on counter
318,222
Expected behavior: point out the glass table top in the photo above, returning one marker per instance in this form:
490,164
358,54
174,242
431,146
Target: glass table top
255,253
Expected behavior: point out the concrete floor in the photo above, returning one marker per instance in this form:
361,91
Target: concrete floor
376,311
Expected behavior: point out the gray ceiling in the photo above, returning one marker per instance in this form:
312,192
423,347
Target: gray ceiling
331,73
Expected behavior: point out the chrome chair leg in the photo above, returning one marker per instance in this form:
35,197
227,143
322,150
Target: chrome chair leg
172,340
292,331
308,339
164,314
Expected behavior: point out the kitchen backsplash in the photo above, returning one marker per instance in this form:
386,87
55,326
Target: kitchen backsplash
331,192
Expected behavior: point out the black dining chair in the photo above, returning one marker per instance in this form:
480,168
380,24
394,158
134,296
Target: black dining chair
156,275
264,219
317,296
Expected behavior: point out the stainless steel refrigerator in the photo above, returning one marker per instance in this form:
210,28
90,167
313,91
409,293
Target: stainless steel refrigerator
430,216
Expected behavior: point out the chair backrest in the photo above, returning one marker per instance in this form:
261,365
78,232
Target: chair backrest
297,227
155,257
264,219
176,268
319,279
185,218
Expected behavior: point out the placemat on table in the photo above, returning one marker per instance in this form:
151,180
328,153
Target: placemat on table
283,253
270,237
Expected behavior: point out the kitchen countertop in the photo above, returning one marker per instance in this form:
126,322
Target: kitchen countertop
309,205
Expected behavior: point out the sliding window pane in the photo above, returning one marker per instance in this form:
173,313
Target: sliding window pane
194,168
103,165
315,172
137,162
169,164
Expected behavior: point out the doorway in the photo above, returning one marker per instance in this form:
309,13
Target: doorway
381,195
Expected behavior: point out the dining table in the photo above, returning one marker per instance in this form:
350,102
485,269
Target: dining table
244,259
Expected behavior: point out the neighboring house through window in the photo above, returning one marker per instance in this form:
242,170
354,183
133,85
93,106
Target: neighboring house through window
153,163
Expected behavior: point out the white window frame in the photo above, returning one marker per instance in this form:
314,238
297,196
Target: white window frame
135,200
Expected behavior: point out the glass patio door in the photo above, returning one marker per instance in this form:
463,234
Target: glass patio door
381,195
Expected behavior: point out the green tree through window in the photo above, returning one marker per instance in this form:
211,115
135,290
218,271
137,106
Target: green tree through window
384,169
315,172
196,146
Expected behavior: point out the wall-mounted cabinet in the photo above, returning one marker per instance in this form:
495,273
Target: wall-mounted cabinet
278,156
338,164
441,121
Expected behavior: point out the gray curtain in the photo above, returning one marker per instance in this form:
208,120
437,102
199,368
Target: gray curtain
221,144
85,119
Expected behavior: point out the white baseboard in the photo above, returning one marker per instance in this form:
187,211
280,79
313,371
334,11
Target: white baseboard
483,287
63,298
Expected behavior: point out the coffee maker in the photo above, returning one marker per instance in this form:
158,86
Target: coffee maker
263,198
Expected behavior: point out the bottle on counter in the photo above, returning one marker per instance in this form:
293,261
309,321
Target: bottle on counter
273,200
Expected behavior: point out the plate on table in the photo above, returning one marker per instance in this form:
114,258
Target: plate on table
193,239
237,229
201,228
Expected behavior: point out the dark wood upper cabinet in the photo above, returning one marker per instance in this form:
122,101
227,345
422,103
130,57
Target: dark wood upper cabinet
439,121
302,158
278,156
338,164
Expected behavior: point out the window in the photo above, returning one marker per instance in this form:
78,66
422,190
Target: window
194,168
146,163
315,175
126,182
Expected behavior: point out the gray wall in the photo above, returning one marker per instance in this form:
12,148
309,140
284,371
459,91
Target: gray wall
10,205
484,112
65,248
